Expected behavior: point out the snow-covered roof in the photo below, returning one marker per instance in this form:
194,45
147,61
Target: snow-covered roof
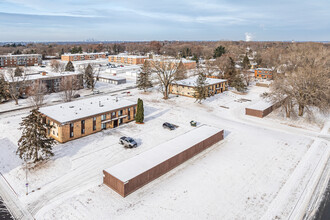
116,78
261,105
134,166
172,60
21,55
264,69
40,76
75,110
129,56
192,81
82,54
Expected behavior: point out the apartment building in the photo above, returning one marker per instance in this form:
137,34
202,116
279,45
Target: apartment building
263,73
20,60
127,59
52,81
188,64
187,87
82,56
87,116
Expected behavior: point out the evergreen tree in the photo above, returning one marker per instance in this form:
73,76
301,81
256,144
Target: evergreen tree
139,118
34,144
18,71
89,77
4,89
238,83
144,81
246,62
234,78
219,51
201,88
180,72
69,67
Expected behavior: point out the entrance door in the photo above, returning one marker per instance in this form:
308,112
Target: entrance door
115,123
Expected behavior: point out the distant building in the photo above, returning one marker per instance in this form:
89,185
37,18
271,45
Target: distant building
82,56
263,73
187,87
52,81
20,60
188,64
87,116
111,79
127,59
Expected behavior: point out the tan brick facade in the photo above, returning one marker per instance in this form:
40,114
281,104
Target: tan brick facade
127,59
106,120
20,60
189,91
79,57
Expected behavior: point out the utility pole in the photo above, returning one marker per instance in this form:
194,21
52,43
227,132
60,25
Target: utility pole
26,179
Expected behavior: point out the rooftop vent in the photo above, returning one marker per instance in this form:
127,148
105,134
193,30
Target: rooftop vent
71,106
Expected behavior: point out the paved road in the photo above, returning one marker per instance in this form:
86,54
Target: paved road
4,213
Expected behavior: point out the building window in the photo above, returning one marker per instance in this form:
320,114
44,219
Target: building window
103,126
120,113
134,112
83,127
113,115
129,113
94,123
103,117
71,130
120,121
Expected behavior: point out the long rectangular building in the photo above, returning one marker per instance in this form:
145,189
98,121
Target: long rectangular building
132,174
87,116
186,87
127,59
82,56
20,60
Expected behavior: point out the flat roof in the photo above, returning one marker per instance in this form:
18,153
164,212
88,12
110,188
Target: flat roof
116,78
192,81
81,54
267,69
137,165
83,108
20,55
40,76
129,56
261,105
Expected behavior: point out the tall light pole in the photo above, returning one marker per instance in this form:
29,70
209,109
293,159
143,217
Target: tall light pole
26,179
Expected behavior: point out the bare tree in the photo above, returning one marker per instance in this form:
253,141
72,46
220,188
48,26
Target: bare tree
16,84
247,76
69,87
37,93
165,71
57,66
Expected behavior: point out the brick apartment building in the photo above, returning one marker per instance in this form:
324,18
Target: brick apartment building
20,60
188,64
263,73
186,87
52,81
87,116
127,59
82,56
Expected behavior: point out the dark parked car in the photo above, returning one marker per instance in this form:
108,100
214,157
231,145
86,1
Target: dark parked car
128,142
23,96
76,96
168,126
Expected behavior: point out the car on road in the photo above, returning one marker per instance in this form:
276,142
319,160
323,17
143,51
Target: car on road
128,142
96,92
23,96
169,126
76,96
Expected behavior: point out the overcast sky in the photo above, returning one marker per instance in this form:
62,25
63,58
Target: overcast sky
76,20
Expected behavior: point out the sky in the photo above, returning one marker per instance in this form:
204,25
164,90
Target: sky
143,20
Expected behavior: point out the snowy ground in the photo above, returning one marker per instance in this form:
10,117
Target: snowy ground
264,168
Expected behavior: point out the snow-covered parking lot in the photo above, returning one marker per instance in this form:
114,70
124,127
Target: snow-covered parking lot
260,170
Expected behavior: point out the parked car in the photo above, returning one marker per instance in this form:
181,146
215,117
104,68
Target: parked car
128,142
76,96
96,92
23,96
169,126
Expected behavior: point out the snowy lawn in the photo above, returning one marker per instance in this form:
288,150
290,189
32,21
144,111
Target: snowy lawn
238,178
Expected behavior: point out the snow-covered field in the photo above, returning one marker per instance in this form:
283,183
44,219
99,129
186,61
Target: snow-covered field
264,168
